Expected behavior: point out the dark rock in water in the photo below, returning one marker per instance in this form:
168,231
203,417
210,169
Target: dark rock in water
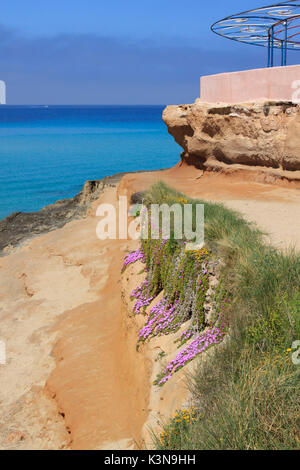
19,226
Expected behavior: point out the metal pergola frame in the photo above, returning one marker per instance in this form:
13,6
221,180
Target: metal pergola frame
268,26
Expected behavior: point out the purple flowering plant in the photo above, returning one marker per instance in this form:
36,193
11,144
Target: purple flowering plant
183,276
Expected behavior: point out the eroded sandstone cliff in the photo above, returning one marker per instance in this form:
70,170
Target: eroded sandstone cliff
19,226
261,137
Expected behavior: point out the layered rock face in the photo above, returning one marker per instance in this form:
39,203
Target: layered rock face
263,136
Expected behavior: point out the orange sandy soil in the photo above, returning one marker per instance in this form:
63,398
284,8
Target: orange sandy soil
73,378
275,208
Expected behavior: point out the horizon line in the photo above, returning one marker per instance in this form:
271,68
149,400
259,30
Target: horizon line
47,105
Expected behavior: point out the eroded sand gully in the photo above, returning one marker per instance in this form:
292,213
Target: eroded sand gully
73,378
62,291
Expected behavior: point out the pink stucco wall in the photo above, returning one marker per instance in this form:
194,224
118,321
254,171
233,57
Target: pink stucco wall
252,85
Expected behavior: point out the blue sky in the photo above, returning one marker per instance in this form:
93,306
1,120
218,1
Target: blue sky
117,51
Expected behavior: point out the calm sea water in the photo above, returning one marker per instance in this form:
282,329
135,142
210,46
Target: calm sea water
47,153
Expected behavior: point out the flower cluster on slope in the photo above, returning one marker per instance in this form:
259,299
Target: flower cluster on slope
204,341
184,283
199,255
142,300
179,423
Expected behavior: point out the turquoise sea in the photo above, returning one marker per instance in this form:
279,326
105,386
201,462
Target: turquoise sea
48,152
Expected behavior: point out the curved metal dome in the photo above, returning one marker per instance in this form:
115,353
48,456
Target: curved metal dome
274,26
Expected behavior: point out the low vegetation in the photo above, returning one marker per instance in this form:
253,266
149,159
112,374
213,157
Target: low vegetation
246,396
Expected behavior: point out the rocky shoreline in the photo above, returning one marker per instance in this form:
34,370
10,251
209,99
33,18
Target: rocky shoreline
18,227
